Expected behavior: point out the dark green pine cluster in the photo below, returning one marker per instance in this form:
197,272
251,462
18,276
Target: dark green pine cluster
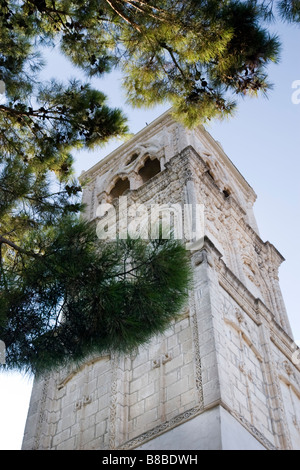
81,297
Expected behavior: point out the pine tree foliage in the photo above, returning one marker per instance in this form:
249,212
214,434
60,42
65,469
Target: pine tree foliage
287,10
196,54
81,297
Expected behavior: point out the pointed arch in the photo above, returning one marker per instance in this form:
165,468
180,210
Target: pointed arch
118,187
150,168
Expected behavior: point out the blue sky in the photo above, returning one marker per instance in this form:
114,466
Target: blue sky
262,140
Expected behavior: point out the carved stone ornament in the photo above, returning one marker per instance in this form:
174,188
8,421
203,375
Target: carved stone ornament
288,368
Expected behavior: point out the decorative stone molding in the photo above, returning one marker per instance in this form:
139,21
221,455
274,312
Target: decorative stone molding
161,428
287,373
67,374
113,404
85,400
42,414
161,361
254,431
296,423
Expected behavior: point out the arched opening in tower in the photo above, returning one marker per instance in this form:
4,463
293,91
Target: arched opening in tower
150,169
120,187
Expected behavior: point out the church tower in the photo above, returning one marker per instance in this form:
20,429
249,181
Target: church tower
226,374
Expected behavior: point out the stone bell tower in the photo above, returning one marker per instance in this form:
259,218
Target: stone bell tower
226,374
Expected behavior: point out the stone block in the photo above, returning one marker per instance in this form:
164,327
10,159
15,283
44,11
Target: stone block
188,398
175,363
101,428
147,419
61,437
87,435
137,409
177,388
68,444
138,383
146,391
141,370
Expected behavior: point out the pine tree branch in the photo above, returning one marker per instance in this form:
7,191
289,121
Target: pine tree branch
148,5
18,248
131,271
40,200
123,16
42,113
38,113
46,9
2,273
146,10
171,52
